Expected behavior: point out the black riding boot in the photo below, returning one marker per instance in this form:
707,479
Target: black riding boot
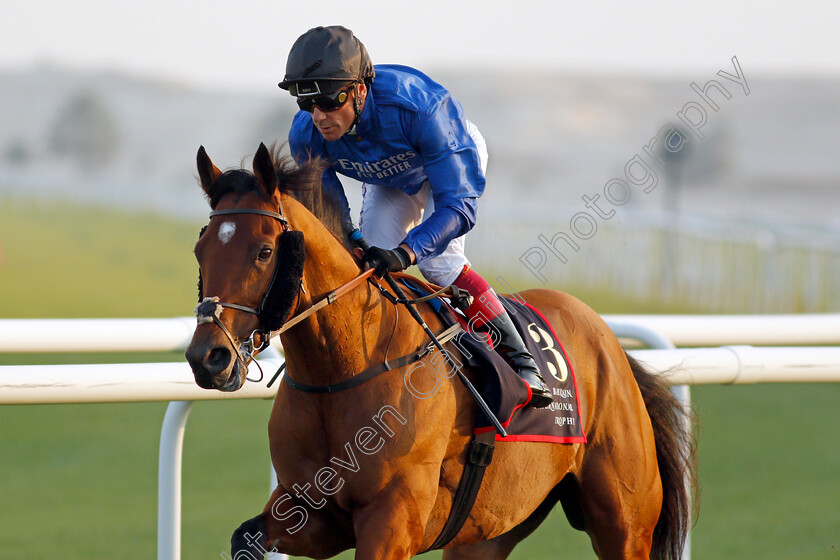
512,348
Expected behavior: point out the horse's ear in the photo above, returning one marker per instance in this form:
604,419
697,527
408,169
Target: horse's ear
264,170
207,172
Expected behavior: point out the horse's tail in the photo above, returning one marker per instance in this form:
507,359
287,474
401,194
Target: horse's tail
676,455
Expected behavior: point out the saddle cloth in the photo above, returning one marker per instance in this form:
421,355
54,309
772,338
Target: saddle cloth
505,392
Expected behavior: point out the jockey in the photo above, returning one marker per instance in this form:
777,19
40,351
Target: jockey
421,164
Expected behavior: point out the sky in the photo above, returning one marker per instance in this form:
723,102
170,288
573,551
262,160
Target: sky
242,44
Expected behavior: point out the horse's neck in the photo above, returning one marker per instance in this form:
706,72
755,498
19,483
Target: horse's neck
330,345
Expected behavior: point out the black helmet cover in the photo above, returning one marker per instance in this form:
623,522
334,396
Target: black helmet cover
325,59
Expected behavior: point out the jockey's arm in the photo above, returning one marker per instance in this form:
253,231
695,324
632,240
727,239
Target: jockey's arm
431,237
453,168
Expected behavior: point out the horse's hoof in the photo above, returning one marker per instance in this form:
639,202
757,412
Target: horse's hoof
250,538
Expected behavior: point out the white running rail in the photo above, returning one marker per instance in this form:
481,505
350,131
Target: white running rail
737,363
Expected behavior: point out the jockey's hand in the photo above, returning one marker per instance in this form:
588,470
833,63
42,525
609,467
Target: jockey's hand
358,243
357,240
387,260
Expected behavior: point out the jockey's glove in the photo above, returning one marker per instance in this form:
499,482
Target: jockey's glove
357,240
387,260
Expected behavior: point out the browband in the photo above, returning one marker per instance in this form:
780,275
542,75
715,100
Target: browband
270,214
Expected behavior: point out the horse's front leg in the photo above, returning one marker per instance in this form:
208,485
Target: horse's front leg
292,526
393,526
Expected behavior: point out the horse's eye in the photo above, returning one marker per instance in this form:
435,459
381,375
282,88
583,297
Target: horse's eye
265,253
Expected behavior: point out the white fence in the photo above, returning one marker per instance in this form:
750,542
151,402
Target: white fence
714,264
174,381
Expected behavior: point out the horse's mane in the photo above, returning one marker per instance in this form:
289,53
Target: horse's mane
300,181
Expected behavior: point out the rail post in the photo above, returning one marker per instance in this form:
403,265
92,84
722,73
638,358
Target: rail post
169,479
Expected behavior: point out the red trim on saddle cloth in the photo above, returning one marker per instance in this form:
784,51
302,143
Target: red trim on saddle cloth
545,439
512,412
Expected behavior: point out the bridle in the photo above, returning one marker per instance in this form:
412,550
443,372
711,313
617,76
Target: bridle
210,308
261,307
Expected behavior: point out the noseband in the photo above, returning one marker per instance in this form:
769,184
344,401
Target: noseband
210,308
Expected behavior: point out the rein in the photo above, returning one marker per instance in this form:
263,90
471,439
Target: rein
323,302
458,297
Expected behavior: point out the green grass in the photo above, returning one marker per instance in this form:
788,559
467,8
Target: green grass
60,260
82,478
769,464
80,481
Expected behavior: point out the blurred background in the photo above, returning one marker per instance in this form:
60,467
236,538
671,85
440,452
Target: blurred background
103,106
106,105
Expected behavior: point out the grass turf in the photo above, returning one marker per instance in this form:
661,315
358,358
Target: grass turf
81,480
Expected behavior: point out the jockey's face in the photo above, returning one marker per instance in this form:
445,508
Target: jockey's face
334,124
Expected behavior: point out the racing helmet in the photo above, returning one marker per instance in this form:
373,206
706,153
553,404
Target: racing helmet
324,60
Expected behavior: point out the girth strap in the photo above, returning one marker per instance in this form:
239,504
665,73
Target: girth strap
479,456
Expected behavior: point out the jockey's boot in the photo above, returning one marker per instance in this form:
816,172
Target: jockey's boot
512,348
486,312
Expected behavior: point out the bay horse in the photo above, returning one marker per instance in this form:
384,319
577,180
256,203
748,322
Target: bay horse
374,467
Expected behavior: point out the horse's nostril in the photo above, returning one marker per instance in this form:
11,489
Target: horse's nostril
218,359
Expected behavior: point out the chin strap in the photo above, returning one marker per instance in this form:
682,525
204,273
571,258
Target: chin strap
358,103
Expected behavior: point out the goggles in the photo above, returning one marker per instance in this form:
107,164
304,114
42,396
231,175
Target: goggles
325,102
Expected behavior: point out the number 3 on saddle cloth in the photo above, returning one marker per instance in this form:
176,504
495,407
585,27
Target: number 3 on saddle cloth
505,393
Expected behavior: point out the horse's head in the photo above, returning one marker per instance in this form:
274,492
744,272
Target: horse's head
250,266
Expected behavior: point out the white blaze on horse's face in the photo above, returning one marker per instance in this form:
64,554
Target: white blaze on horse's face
226,232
